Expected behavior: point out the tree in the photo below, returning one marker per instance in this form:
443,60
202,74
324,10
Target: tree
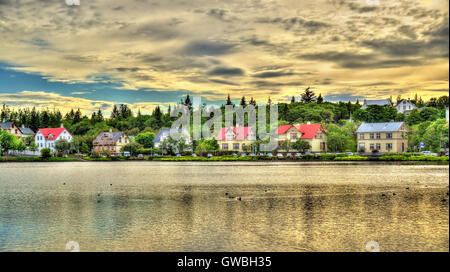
146,139
228,103
85,148
62,146
46,153
6,141
308,96
33,147
301,145
320,99
293,100
133,148
243,103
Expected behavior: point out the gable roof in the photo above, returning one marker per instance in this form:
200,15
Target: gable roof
379,127
308,131
240,132
26,131
167,132
379,102
108,137
6,125
54,132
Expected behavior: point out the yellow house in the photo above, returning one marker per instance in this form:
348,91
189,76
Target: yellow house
111,141
237,139
314,134
382,137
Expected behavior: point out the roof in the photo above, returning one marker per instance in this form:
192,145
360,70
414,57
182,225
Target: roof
380,127
26,131
108,137
54,132
380,102
6,125
167,132
308,131
240,132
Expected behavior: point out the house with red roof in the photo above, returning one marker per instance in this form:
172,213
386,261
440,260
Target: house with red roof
314,134
236,139
46,137
12,128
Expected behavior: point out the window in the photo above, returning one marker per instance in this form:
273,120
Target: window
389,146
225,146
378,135
293,136
388,135
126,140
120,140
243,146
372,146
378,146
230,137
361,136
236,146
372,136
318,136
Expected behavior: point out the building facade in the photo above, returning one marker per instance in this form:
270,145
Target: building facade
382,137
46,137
111,142
405,106
314,134
236,139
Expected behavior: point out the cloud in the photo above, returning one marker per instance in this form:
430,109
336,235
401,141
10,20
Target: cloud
226,71
270,74
207,48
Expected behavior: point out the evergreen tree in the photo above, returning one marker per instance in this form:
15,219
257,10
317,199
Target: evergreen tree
243,103
34,120
188,102
115,112
308,96
293,100
77,117
229,101
320,99
99,115
252,102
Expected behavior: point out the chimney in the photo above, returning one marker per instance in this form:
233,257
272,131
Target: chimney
62,125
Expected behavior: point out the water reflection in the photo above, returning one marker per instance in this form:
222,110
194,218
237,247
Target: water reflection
186,207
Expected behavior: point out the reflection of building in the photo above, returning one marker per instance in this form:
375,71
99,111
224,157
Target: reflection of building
381,102
382,137
163,134
111,141
405,106
12,128
314,134
237,139
46,137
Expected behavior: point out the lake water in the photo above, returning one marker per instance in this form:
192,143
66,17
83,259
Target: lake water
184,206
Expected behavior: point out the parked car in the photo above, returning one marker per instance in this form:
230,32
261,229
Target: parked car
429,153
126,154
252,154
298,155
349,153
289,155
140,155
209,155
243,154
234,154
194,155
178,155
308,153
279,155
269,154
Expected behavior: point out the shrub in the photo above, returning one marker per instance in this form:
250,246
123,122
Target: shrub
351,158
46,153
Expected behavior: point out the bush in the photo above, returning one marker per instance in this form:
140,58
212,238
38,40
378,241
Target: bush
46,153
351,158
410,157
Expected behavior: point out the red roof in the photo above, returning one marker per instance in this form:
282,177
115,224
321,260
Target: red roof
240,132
54,132
308,131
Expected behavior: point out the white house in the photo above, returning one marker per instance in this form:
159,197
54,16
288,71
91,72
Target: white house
165,133
46,137
405,106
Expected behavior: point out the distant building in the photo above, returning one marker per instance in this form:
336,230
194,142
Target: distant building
383,137
446,113
405,106
111,141
163,134
381,102
314,134
46,137
237,139
12,128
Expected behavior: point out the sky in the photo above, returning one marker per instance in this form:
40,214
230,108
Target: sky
153,52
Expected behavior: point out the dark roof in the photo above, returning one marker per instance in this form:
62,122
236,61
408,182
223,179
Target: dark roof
26,131
108,137
6,125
